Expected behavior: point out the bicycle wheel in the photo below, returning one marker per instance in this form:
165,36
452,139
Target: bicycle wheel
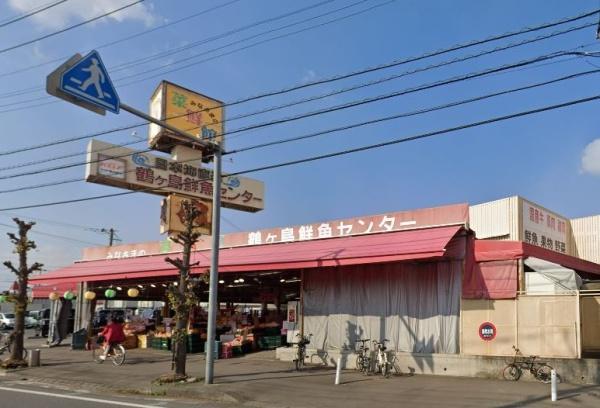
543,373
360,363
385,370
511,372
118,356
96,353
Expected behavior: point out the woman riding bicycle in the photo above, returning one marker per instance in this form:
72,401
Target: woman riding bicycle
113,335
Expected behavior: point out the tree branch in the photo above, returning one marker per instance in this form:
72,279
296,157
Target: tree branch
10,266
178,263
35,267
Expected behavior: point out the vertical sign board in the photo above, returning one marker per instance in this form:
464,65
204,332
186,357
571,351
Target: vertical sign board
172,215
544,228
187,111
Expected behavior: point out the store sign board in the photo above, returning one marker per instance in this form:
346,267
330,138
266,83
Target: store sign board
186,110
172,215
126,168
373,224
544,228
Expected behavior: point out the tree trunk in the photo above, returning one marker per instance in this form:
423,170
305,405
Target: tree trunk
182,315
20,308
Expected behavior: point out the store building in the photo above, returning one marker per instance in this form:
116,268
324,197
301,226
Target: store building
451,280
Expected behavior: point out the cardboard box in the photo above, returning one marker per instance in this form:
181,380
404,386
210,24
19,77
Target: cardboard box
130,342
144,340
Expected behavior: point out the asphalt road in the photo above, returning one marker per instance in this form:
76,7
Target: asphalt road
12,396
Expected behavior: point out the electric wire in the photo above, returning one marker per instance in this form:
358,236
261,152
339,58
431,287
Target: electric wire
124,39
336,154
150,58
402,61
375,82
52,34
337,129
339,107
34,231
32,13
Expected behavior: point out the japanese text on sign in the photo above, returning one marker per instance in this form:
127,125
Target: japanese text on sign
544,229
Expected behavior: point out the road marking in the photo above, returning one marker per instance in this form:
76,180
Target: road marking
75,397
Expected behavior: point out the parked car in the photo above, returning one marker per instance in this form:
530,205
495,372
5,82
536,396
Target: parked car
7,321
30,320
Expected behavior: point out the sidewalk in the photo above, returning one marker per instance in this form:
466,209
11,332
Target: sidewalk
258,380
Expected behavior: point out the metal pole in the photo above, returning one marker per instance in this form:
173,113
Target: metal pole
111,237
338,371
214,271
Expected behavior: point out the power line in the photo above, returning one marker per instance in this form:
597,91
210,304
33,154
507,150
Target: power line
370,69
411,59
65,156
53,222
32,13
69,28
370,83
167,53
124,39
338,153
330,79
339,107
350,126
55,236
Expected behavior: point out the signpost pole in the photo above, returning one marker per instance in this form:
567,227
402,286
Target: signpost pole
214,271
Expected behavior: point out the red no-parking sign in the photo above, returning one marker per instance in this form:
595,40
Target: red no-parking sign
487,331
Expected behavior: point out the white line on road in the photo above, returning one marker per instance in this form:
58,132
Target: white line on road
75,397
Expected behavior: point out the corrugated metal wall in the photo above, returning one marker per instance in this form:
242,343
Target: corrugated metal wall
497,219
585,238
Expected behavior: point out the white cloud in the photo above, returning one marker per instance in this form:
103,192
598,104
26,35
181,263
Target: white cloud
75,11
590,159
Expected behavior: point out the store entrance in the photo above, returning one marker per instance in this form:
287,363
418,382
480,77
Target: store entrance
257,311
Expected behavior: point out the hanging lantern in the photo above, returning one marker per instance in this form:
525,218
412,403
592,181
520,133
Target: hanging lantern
53,296
110,293
2,298
89,295
133,292
68,295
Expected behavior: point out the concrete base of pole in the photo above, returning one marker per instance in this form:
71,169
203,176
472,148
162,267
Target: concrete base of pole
553,385
34,358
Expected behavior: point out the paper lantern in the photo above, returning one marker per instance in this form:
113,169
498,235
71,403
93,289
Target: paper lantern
110,293
2,298
53,296
89,295
68,295
133,292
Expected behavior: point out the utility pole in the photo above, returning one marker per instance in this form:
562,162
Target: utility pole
111,232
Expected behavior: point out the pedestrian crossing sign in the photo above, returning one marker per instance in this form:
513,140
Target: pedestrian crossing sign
88,80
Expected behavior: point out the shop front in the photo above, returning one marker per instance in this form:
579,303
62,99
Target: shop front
395,276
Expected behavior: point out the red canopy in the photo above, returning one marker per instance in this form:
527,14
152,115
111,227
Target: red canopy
385,247
503,250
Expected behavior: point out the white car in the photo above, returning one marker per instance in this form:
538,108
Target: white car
7,321
30,322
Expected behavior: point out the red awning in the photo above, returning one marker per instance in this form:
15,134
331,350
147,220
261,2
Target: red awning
490,250
386,247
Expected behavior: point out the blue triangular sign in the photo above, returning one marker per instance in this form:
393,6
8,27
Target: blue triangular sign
88,80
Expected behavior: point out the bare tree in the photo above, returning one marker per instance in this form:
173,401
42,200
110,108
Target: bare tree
182,296
22,246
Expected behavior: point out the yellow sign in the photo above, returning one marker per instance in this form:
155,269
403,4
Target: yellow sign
173,219
186,110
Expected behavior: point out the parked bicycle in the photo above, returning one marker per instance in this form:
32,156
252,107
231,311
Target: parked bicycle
6,341
301,351
540,370
116,352
363,358
382,363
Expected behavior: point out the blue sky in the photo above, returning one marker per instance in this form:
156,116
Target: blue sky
538,157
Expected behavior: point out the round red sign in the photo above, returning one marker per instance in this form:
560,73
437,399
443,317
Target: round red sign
487,331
